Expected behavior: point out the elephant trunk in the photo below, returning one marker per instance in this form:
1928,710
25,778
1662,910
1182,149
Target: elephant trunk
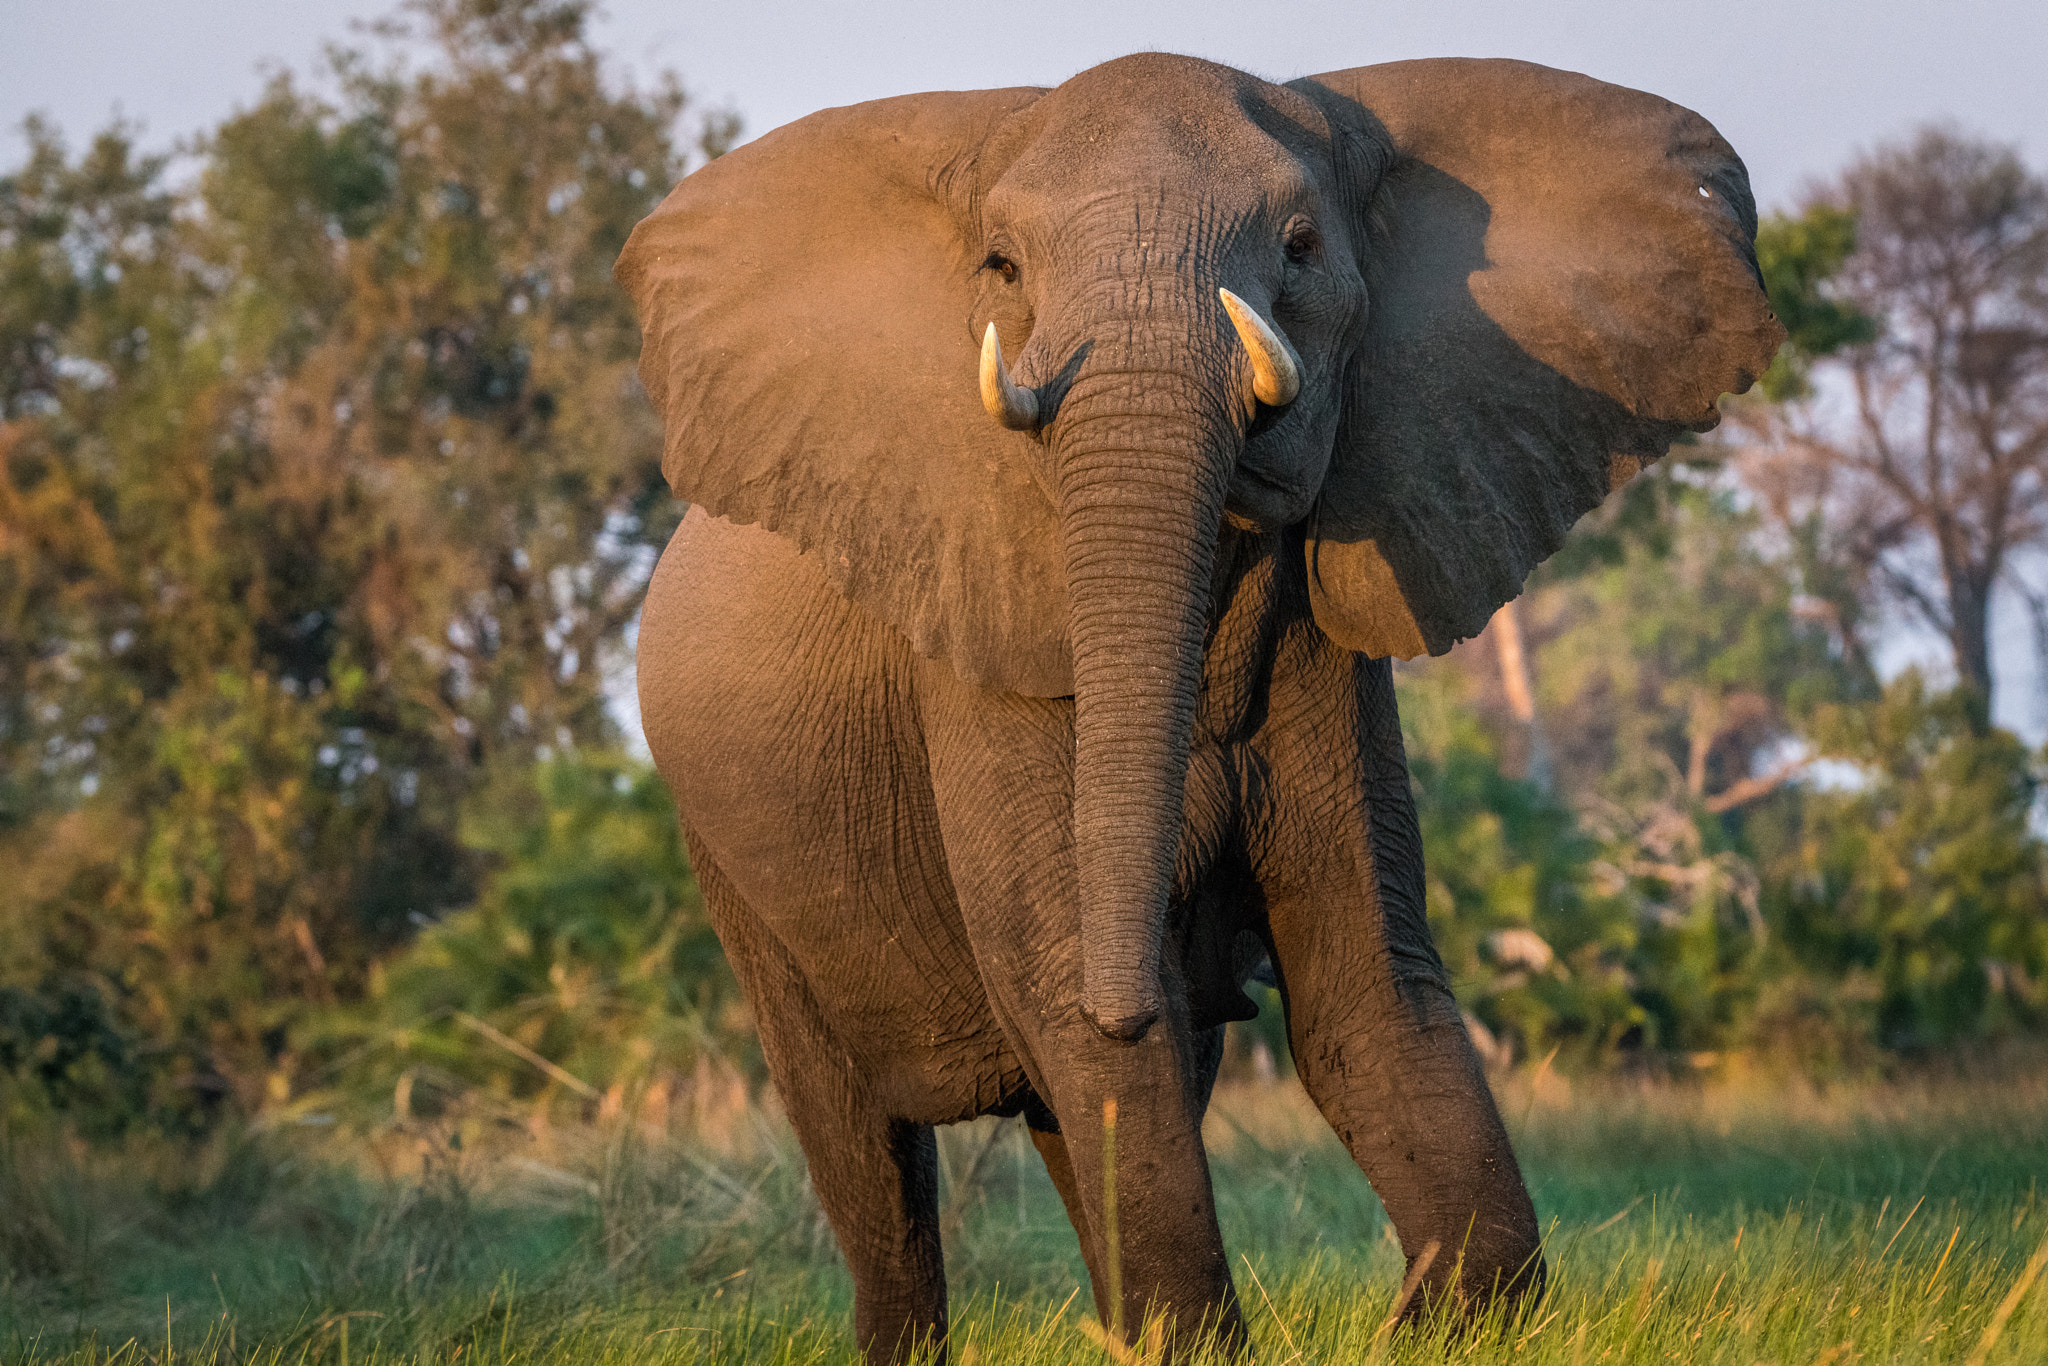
1141,500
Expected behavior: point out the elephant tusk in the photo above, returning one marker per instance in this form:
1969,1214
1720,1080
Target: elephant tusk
1007,401
1276,373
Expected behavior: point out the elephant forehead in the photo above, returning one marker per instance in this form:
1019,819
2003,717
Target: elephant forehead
1159,116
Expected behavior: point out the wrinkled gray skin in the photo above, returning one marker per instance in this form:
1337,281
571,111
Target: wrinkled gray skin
1004,758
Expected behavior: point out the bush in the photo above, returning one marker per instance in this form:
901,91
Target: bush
585,968
1534,946
1917,882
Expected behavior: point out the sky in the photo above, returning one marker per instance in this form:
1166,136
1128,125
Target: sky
1798,86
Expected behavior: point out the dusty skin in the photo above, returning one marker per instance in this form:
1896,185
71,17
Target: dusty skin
1015,722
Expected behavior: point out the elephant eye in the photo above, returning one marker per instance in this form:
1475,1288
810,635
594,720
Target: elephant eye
1001,265
1301,242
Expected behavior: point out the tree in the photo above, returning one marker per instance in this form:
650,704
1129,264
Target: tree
1799,258
328,495
1943,463
1913,902
1675,672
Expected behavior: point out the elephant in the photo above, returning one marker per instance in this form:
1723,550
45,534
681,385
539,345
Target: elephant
1065,469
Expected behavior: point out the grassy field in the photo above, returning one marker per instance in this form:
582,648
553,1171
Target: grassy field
1735,1223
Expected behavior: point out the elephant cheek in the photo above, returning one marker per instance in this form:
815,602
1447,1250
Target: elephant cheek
1275,484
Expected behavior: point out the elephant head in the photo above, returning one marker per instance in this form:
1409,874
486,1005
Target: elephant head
1010,362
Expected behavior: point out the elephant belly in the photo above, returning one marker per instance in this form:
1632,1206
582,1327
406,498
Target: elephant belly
785,723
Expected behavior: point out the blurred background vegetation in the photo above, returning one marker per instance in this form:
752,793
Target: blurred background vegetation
327,494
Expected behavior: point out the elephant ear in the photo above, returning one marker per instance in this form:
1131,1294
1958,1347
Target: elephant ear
805,304
1562,279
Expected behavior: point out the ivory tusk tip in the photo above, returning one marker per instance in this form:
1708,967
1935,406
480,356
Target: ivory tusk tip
1276,373
1009,403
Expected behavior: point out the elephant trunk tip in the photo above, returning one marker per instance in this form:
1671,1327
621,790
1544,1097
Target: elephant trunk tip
1121,1016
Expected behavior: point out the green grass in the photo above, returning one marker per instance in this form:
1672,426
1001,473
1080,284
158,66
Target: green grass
1738,1224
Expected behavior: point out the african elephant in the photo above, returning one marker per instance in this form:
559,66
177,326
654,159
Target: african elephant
1065,467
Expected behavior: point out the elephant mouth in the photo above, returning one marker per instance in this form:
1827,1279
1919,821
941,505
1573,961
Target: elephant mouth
1265,420
1272,486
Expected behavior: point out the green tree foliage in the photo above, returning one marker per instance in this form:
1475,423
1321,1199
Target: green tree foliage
1912,896
1671,671
1799,255
1536,950
1672,679
328,494
588,947
1671,667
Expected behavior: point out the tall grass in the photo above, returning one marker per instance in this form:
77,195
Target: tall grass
1740,1222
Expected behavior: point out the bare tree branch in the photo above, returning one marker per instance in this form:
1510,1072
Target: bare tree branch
1944,460
1749,789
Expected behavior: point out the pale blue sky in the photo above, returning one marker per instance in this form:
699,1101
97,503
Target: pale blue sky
1796,85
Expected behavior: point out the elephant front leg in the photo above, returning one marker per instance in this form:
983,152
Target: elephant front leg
1131,1169
1002,771
1382,1050
1377,1037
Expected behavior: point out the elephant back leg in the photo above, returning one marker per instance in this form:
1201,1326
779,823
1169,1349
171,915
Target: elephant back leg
780,717
875,1176
1002,771
1377,1037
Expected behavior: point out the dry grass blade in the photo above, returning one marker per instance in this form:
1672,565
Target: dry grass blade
1902,1227
2008,1304
1278,1322
1111,1239
556,1176
520,1050
1611,1220
1110,1343
1409,1285
1936,1274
